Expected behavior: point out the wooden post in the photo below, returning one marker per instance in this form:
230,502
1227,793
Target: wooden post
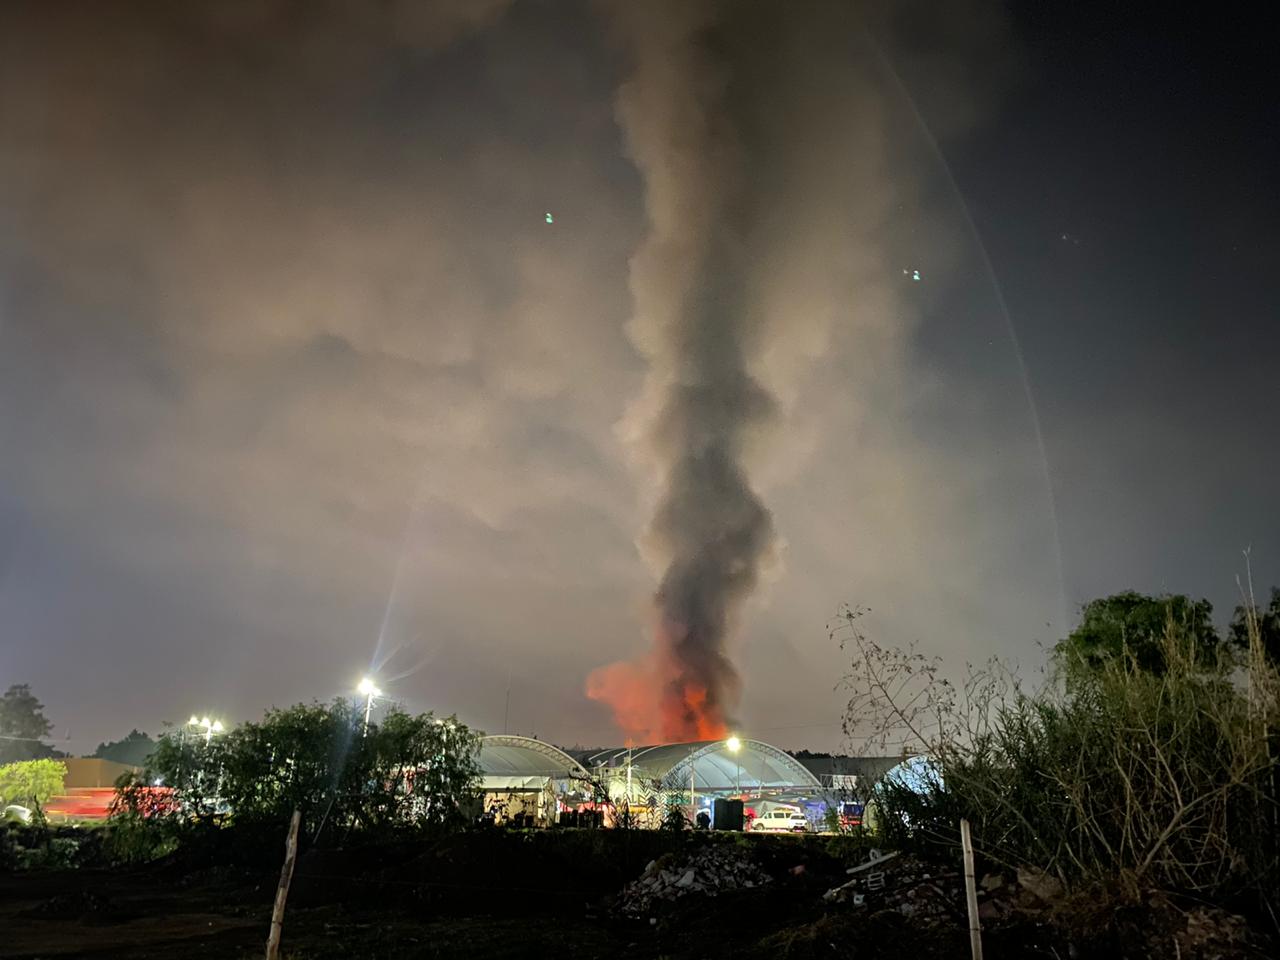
971,891
282,891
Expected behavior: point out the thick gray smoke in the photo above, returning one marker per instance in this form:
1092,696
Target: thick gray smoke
782,186
702,405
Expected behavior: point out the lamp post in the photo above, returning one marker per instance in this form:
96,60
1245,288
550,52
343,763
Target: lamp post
734,745
693,799
210,727
368,689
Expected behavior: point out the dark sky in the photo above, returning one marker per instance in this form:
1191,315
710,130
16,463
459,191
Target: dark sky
1150,139
296,378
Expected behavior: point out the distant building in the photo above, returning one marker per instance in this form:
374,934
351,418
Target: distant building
851,776
87,789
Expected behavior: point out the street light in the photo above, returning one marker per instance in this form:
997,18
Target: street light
368,689
210,727
734,745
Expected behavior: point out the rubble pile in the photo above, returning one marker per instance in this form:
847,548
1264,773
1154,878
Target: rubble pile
1036,903
707,872
1032,892
902,884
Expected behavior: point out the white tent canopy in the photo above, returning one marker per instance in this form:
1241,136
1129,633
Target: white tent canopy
713,766
522,763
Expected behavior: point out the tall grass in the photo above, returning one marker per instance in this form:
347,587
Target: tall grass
1108,772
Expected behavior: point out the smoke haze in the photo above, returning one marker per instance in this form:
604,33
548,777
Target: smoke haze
282,324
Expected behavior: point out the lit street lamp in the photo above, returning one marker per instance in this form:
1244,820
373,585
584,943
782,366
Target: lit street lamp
734,745
368,689
210,727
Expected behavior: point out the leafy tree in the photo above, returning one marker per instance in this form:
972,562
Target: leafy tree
133,749
405,771
422,769
1123,778
1138,625
1268,620
23,726
31,782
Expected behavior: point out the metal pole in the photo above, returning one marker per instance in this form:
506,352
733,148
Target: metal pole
368,708
693,799
506,708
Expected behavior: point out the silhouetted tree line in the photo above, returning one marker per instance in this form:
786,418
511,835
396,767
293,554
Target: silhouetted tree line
405,771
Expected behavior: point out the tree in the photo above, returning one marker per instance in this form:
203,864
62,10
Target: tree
1138,625
318,758
133,749
1124,776
23,726
31,782
1268,622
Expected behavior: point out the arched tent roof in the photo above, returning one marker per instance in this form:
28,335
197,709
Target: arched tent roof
713,766
504,756
918,774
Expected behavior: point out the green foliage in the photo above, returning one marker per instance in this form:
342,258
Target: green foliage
1163,778
1133,626
133,838
831,820
134,749
1266,622
675,818
23,726
407,771
31,782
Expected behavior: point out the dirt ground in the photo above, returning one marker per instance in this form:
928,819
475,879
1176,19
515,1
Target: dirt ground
472,896
494,895
148,916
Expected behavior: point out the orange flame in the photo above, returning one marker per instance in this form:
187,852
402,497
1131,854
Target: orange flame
654,700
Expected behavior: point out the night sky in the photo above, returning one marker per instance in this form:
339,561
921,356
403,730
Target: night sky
297,381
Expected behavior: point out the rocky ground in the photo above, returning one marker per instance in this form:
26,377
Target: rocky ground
592,894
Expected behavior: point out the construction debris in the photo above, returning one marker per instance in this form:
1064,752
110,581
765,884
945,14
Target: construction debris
707,872
904,885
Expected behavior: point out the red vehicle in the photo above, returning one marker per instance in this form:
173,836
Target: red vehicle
851,815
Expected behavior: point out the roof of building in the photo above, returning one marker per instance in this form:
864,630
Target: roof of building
510,760
712,765
83,772
868,770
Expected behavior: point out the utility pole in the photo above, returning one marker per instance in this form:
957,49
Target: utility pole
506,710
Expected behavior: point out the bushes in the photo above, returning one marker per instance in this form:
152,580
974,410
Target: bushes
44,847
1161,780
131,839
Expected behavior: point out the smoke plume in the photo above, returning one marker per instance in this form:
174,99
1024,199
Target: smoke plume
710,533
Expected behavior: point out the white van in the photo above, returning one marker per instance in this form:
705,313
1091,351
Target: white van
782,820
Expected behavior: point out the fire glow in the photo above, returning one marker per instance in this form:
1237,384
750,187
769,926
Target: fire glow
702,405
656,700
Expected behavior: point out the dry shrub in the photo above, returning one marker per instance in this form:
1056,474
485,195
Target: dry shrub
1110,773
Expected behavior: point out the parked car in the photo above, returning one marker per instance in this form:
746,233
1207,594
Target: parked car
781,821
17,814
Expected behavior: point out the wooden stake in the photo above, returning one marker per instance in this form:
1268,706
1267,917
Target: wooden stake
971,891
282,891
